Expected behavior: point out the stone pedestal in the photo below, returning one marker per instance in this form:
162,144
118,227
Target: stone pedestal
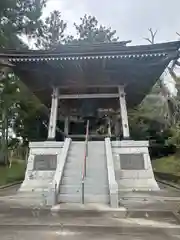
41,167
133,167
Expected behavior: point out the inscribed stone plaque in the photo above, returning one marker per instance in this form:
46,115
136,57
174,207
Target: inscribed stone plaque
45,162
132,161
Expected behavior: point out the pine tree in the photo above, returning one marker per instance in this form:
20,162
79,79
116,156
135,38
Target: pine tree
90,31
17,18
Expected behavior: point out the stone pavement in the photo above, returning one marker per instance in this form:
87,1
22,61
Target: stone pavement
144,219
78,235
25,224
9,190
71,235
54,227
163,200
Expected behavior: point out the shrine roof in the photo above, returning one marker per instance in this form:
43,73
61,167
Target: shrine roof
88,51
108,65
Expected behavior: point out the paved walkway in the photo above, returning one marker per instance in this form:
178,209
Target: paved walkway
78,235
50,228
9,190
19,223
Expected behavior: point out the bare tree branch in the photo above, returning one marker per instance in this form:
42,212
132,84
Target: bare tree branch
153,34
148,40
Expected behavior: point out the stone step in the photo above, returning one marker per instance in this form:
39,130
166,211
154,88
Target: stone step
140,184
95,176
75,159
87,188
36,185
96,181
92,158
74,165
33,188
72,173
37,181
142,174
91,210
90,173
70,180
76,153
90,170
77,198
27,194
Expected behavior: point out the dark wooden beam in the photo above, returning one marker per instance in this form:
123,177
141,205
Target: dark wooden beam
90,136
90,96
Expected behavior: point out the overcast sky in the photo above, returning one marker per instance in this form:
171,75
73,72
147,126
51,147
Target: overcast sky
130,18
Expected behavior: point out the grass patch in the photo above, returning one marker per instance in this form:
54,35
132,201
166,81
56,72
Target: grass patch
169,164
13,174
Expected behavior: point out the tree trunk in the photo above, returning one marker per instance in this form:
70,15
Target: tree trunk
4,139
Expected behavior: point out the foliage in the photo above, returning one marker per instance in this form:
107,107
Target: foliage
18,17
29,124
167,105
168,164
174,136
50,32
151,116
15,173
9,102
89,31
155,120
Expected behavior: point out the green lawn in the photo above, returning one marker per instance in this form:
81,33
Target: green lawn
170,164
13,174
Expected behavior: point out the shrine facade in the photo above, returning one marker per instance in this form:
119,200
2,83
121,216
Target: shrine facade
89,85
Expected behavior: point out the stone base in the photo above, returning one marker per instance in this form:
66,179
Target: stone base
133,170
133,167
41,167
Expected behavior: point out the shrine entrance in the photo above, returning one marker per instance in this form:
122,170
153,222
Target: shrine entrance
90,109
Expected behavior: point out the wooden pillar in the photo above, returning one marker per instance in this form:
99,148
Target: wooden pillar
66,125
124,115
53,115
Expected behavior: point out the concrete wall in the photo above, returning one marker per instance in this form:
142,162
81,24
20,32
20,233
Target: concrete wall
37,182
137,174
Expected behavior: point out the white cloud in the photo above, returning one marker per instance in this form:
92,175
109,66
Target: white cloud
131,18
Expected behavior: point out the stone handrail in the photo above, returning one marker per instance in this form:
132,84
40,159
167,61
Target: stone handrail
85,160
113,186
59,172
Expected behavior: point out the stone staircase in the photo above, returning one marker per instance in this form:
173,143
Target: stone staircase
96,181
